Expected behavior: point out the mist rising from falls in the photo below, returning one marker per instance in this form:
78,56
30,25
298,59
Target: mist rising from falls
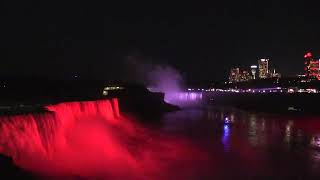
157,77
90,139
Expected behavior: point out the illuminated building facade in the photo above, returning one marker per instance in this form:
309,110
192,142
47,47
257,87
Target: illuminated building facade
239,75
312,67
106,90
260,71
245,75
253,71
234,75
263,68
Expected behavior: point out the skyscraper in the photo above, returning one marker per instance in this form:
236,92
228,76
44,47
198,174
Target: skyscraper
239,75
312,66
263,68
244,75
234,75
254,71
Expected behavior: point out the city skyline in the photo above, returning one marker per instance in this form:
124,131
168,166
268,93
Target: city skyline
263,70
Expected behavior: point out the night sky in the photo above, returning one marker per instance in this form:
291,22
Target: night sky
201,41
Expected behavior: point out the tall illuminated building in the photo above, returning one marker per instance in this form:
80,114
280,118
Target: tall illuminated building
263,68
245,75
234,75
239,75
253,71
312,67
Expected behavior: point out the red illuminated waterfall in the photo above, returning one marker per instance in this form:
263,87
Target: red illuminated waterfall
89,139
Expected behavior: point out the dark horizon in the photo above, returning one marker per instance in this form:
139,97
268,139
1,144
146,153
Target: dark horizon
201,41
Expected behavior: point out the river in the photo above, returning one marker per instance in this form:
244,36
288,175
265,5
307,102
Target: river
255,145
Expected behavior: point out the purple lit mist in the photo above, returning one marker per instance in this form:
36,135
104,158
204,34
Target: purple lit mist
184,98
165,79
157,77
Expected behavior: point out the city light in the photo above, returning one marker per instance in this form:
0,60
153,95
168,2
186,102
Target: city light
263,90
254,70
263,68
312,67
242,75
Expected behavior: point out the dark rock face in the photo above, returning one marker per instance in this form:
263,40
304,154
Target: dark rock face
146,103
8,170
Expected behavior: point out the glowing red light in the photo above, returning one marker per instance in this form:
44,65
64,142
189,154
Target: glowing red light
89,139
308,55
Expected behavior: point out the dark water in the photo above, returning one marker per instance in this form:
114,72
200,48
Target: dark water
256,145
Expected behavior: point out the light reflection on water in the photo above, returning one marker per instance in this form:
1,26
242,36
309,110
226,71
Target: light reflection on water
288,132
252,132
266,144
315,158
226,138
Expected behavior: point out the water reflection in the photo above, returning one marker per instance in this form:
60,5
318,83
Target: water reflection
270,141
315,160
226,138
257,132
232,117
300,136
253,138
211,115
288,132
315,141
222,115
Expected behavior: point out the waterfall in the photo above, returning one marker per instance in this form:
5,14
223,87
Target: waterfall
89,139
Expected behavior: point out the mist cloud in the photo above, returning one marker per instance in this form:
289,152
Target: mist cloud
159,77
